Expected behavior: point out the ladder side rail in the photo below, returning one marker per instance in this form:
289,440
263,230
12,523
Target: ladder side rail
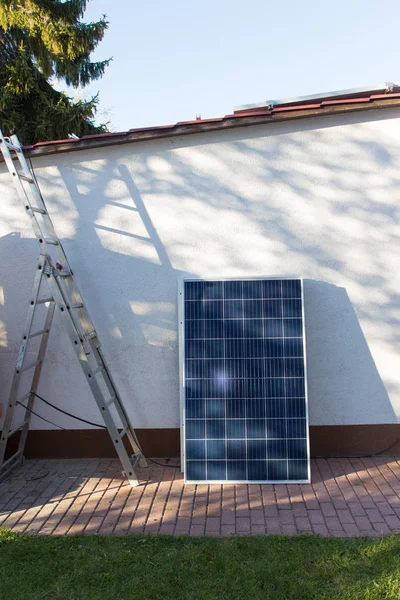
21,358
81,315
36,376
64,300
97,364
82,322
61,256
101,401
69,283
19,187
67,297
34,189
13,463
23,194
122,413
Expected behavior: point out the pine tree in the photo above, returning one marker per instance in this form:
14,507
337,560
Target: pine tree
41,39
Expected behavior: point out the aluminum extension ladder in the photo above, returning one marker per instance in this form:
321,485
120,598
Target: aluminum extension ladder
53,267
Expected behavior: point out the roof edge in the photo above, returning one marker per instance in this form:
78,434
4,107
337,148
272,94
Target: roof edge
382,88
242,119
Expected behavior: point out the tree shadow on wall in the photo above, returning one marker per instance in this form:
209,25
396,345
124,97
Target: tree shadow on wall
340,367
252,208
131,290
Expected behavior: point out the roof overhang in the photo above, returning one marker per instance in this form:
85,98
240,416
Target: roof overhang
361,92
244,117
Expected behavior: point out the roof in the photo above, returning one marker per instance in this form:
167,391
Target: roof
272,111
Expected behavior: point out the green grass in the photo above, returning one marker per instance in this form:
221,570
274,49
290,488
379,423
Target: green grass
242,568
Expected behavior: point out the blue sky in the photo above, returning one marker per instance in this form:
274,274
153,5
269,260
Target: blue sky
174,60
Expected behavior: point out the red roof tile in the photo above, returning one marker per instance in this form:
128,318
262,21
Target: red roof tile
248,116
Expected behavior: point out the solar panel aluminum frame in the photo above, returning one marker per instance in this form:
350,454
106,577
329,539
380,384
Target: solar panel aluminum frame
182,397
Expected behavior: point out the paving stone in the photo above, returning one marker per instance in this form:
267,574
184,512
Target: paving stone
258,530
227,530
316,517
288,529
374,515
286,517
393,522
328,509
273,526
381,528
356,509
351,529
333,524
271,511
242,525
213,524
347,498
197,530
228,517
257,517
385,509
345,516
299,509
363,523
320,529
303,524
166,529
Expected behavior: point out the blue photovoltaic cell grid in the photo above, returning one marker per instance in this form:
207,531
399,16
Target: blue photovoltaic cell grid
244,380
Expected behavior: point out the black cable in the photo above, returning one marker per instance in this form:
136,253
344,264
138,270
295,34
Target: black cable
160,464
83,421
36,415
67,413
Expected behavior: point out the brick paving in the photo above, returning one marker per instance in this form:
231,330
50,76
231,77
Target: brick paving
347,498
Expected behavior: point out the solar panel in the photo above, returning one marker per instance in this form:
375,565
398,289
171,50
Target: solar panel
244,391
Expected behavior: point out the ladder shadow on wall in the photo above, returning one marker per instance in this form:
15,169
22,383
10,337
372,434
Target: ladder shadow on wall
132,302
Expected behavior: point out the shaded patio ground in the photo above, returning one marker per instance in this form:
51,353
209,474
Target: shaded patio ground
347,498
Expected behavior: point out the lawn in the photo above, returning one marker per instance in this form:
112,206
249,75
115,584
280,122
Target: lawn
139,567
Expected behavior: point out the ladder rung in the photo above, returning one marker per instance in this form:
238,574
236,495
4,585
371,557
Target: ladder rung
78,305
11,147
111,400
137,457
51,241
123,432
45,300
98,370
24,397
64,275
18,428
41,211
25,177
40,332
91,335
30,365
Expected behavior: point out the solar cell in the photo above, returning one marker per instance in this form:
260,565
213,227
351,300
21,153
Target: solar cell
244,393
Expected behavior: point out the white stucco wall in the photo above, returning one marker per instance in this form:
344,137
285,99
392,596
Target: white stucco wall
316,198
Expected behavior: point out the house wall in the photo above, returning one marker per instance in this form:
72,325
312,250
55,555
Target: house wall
315,198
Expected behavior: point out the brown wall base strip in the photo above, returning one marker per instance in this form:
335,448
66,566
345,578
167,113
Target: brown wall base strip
325,441
355,440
